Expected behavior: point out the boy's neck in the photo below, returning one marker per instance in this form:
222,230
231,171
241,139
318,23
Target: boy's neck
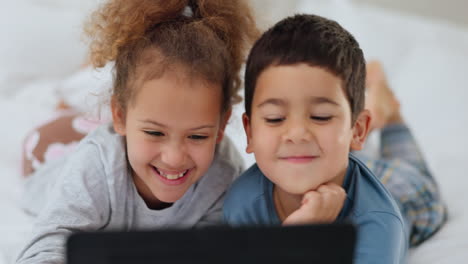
285,203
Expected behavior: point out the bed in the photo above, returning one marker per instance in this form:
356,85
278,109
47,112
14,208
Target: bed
426,63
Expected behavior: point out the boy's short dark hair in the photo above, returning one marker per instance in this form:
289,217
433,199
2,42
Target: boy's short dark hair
313,40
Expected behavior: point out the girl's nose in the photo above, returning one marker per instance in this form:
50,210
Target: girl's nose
173,155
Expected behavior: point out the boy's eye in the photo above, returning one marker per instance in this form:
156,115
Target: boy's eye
321,118
154,133
274,120
198,137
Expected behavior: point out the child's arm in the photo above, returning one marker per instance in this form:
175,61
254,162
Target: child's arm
320,206
381,239
79,202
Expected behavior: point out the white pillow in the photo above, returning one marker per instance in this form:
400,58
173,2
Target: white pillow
40,40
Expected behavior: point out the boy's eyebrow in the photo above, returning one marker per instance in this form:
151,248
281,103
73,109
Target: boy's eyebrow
322,100
313,100
162,125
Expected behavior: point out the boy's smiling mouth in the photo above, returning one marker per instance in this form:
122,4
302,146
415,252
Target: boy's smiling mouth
298,158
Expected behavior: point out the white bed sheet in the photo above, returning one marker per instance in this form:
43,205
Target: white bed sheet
426,62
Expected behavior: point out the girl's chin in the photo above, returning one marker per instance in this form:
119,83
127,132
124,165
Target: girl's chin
169,198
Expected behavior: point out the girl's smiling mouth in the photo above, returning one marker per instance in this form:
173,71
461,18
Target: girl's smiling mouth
172,177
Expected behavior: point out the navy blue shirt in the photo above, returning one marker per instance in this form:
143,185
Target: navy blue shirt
382,237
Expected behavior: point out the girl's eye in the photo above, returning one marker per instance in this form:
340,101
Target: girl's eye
321,118
198,137
154,133
274,120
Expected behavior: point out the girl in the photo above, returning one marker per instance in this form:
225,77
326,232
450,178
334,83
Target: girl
163,160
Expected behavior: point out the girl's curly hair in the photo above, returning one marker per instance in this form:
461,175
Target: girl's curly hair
208,38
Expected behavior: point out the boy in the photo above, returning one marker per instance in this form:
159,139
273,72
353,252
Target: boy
304,99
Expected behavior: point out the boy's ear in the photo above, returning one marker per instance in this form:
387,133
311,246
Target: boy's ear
248,132
222,127
118,117
360,130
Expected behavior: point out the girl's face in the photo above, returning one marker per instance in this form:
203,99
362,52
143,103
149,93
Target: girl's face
171,127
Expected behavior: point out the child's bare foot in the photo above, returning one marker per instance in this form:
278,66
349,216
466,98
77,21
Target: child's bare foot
380,100
62,105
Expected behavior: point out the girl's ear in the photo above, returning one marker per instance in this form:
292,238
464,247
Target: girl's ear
224,122
248,132
360,130
118,117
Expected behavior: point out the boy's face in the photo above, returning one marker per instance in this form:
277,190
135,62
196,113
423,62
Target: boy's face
300,127
171,128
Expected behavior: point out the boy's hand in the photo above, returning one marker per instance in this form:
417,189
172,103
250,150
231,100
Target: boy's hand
320,206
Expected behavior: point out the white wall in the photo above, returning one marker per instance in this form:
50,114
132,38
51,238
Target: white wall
452,11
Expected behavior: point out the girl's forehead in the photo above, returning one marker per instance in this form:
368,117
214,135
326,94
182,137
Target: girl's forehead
172,100
154,65
163,77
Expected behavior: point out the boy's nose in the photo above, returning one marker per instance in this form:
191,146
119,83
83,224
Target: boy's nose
173,155
298,132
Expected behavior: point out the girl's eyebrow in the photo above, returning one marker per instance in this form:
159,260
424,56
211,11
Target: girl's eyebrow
202,127
165,126
152,122
273,101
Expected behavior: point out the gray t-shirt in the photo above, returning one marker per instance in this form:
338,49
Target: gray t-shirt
92,189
